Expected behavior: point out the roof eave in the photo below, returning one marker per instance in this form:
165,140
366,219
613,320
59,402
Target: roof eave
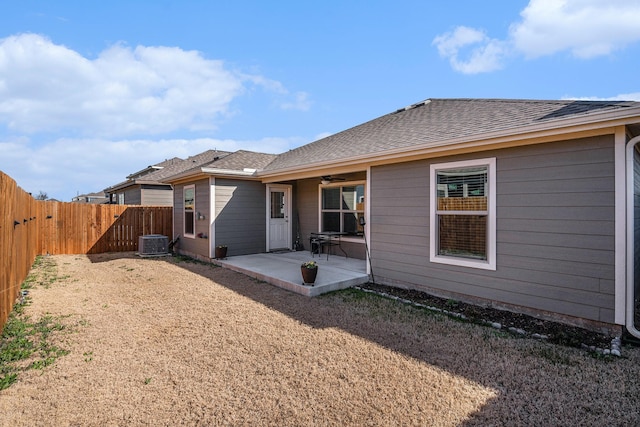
205,172
547,130
141,171
154,182
119,186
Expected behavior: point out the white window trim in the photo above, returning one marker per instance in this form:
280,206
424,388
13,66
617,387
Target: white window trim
184,216
490,262
351,239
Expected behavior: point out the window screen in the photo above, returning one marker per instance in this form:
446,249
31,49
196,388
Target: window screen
462,212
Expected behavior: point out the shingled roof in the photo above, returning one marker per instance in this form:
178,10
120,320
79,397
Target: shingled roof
241,160
436,121
169,168
189,163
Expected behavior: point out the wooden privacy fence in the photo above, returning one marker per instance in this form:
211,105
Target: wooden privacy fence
74,228
30,227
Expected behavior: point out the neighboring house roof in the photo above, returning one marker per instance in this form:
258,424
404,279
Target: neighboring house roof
242,160
152,168
434,125
240,163
440,122
93,198
169,168
189,163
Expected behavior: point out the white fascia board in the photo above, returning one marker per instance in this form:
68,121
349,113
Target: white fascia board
542,130
209,171
229,172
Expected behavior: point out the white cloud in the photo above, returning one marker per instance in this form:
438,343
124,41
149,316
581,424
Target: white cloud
485,54
67,166
299,102
285,101
586,28
635,96
125,91
70,123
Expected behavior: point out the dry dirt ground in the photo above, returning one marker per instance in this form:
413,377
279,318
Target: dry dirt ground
169,342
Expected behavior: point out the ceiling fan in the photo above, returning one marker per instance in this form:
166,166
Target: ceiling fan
328,179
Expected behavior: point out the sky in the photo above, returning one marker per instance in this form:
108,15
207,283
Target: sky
91,92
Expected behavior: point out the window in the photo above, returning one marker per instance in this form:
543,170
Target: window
277,204
341,209
189,194
463,221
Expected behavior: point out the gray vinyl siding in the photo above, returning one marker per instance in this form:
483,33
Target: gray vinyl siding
196,245
308,209
240,216
132,195
555,229
178,218
156,195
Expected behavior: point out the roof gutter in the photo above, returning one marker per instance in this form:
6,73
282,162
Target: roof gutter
119,186
229,172
130,183
247,173
549,130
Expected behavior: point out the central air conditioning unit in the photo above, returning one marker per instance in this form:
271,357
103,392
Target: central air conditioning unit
153,245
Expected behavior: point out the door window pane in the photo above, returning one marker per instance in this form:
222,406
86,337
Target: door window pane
277,204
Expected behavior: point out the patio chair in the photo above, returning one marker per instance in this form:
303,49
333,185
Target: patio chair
317,243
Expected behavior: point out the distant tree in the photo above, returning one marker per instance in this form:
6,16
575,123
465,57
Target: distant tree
42,196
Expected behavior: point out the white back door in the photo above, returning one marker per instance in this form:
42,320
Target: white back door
279,213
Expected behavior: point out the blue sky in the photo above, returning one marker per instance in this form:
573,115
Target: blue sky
93,91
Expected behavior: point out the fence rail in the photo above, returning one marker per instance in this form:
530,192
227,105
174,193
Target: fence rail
29,227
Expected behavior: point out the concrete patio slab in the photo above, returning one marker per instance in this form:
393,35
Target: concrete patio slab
282,269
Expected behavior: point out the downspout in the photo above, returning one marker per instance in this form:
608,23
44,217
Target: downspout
630,288
212,217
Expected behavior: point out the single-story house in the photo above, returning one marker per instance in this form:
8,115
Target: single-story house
97,198
147,187
526,205
222,203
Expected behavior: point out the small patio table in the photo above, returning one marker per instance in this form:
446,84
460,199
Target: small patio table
326,238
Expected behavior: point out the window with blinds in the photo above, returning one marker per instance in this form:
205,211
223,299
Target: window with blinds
462,212
463,223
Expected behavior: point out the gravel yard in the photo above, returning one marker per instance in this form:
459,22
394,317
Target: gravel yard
168,342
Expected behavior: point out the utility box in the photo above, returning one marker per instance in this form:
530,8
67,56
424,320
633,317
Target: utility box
153,245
